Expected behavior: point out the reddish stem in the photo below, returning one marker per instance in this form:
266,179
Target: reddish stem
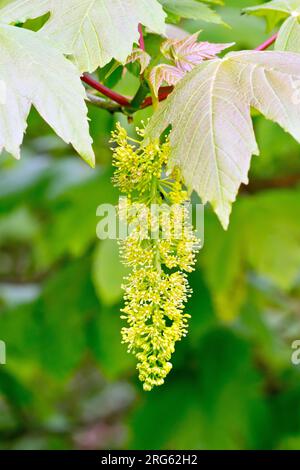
141,40
116,97
267,43
162,95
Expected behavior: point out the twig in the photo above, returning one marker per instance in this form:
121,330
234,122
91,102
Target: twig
116,97
102,103
267,43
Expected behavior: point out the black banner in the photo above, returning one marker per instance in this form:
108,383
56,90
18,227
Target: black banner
139,459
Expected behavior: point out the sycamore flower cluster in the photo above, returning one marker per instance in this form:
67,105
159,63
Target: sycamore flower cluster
160,249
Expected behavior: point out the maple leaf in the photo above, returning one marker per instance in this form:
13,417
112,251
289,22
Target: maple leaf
288,38
193,9
29,76
275,11
93,31
212,136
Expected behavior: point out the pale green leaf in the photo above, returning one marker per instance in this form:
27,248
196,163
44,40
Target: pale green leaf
18,225
213,2
33,72
22,10
106,343
191,9
3,3
108,272
223,263
289,36
272,244
269,246
93,31
275,10
212,136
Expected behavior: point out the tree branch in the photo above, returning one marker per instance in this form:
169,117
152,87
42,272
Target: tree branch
125,102
102,103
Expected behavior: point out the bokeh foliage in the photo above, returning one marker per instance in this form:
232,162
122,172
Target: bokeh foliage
68,381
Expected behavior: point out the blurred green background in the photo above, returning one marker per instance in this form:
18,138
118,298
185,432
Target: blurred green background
68,382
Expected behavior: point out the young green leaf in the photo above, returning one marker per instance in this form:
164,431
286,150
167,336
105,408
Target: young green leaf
33,72
94,32
212,136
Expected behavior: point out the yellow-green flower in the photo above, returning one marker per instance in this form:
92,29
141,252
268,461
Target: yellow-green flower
160,248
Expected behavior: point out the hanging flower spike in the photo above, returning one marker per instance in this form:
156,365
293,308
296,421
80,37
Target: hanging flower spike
157,289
